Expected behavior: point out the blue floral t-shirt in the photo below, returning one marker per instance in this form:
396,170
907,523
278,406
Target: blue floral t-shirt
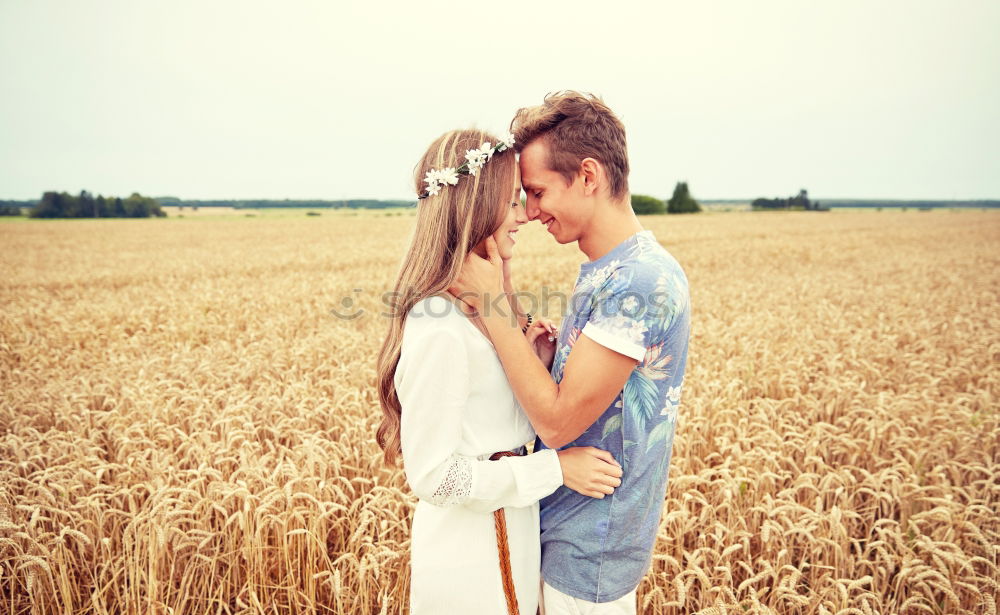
633,300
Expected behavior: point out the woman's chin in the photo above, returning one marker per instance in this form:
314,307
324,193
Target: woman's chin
505,247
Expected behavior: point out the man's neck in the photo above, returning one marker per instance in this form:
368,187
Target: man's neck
612,224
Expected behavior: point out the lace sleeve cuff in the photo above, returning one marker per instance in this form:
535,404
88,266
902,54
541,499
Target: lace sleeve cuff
456,485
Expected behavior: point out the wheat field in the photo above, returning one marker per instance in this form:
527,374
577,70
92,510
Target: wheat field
187,426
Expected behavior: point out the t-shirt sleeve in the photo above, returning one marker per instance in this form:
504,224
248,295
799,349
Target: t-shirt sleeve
626,315
433,389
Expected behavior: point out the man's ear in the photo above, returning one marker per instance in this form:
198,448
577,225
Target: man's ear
592,174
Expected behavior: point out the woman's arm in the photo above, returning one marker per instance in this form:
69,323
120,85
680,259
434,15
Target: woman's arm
433,391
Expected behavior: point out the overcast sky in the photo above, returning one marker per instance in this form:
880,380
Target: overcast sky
336,99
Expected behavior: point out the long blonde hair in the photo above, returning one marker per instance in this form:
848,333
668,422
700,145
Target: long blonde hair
449,225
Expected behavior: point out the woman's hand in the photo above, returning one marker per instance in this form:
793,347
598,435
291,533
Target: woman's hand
590,471
541,335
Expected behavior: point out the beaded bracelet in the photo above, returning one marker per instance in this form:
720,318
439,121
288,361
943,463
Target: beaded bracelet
524,329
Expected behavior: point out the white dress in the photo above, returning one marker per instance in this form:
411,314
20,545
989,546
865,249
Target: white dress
458,409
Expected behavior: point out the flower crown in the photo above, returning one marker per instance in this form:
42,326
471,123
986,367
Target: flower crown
474,160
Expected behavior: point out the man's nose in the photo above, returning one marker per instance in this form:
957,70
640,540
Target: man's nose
531,209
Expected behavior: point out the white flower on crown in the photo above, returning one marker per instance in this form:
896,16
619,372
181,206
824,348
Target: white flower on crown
475,159
448,176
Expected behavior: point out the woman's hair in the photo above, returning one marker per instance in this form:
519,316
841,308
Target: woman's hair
576,126
449,225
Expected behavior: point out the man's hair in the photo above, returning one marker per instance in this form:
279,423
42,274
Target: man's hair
575,126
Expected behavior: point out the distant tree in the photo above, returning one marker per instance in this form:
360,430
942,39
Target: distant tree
799,201
71,205
86,205
642,205
135,206
45,207
682,202
103,211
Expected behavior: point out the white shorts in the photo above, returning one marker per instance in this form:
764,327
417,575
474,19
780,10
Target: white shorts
551,601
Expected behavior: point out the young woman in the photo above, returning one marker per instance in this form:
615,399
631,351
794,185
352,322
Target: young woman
447,404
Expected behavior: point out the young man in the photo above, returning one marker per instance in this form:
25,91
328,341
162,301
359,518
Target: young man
616,379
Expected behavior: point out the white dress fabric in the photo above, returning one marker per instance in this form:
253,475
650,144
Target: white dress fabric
457,410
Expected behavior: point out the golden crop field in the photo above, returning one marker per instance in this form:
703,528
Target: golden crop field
187,427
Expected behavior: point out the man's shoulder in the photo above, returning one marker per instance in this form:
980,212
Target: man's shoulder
652,286
652,266
650,250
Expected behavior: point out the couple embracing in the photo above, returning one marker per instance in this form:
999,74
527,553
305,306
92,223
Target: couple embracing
466,380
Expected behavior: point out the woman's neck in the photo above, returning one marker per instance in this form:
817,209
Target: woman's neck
469,313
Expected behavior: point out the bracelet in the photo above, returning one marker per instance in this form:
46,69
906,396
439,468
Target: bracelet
524,329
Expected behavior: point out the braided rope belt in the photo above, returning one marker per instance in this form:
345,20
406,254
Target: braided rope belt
503,547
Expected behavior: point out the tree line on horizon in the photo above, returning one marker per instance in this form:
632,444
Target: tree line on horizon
799,202
292,203
86,205
680,203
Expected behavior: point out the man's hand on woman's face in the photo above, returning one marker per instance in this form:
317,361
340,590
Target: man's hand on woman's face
480,279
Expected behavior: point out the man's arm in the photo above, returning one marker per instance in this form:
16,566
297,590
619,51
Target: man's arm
593,377
508,288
